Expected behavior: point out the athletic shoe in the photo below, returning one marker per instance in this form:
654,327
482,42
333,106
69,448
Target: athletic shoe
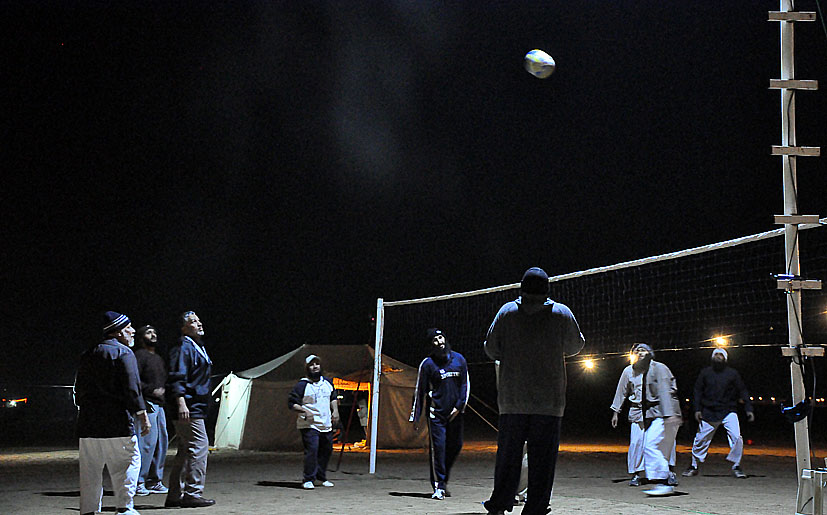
690,471
158,488
142,490
439,494
660,490
128,511
737,472
327,484
672,480
308,485
635,481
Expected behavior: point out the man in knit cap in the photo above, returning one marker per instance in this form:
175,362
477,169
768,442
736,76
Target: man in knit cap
108,396
717,391
530,337
441,394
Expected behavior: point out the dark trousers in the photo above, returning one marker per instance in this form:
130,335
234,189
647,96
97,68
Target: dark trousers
445,444
318,447
542,433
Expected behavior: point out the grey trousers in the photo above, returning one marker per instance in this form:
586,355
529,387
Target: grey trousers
189,470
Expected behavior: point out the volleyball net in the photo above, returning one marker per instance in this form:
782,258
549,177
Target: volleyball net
681,300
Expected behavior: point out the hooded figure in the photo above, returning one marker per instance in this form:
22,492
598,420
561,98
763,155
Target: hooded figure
530,337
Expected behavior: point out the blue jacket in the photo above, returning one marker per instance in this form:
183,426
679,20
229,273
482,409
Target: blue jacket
189,377
107,391
446,387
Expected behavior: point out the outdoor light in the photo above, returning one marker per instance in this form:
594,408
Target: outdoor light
588,364
721,341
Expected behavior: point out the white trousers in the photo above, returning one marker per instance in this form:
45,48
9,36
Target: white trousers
658,444
706,431
121,458
634,458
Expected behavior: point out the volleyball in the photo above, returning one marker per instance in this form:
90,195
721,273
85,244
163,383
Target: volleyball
539,64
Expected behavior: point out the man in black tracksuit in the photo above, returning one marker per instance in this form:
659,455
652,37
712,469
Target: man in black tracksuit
443,384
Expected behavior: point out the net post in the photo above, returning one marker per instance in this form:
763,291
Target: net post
377,372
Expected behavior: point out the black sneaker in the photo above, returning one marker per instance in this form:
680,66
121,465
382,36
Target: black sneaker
738,473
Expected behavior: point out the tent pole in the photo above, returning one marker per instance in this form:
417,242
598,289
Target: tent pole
377,371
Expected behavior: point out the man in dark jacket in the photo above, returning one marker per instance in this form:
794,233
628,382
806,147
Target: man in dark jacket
442,390
108,396
717,391
153,374
188,389
530,337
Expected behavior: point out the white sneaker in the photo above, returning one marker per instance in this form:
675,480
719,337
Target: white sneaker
308,485
141,490
660,490
439,494
327,484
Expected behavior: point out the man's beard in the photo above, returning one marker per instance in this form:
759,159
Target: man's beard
640,364
718,365
440,354
314,376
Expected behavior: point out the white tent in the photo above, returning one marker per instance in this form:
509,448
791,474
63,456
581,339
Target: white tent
254,415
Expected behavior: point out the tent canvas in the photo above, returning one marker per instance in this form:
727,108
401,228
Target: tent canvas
254,415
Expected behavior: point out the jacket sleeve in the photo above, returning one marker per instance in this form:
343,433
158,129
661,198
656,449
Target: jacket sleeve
742,390
493,344
130,383
179,365
697,400
620,391
419,391
465,387
667,390
574,341
296,395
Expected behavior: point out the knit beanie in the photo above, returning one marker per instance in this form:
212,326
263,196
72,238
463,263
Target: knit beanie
535,281
114,322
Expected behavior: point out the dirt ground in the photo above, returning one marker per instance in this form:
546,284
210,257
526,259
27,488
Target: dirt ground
590,479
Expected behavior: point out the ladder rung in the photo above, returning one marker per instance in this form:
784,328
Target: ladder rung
793,84
792,16
778,150
799,284
796,219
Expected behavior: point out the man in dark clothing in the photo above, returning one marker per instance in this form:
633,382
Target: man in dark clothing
530,337
717,391
442,388
153,373
188,389
108,396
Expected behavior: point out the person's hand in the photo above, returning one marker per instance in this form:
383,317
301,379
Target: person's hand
614,419
145,424
698,417
183,410
159,392
453,415
750,416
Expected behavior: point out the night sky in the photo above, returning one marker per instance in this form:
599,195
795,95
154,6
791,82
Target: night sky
277,166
